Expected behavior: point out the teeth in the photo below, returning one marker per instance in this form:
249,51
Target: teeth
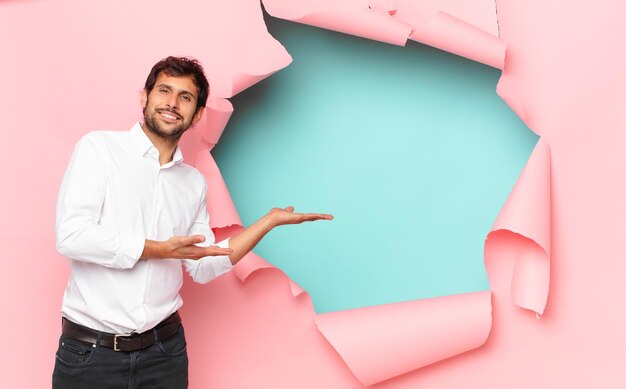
169,116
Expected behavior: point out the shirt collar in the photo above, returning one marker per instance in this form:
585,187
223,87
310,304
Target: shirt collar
178,156
144,144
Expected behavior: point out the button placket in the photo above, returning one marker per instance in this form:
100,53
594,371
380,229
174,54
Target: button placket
156,208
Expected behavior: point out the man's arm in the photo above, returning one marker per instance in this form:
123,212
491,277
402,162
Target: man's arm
245,241
181,247
184,247
219,260
81,197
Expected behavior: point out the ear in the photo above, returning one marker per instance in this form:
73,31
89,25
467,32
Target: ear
144,98
198,115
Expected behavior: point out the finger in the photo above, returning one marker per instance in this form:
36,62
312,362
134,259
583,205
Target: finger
195,252
191,240
215,250
289,209
316,216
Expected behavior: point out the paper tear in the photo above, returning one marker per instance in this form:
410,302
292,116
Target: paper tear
220,205
526,215
350,17
213,122
463,28
384,341
451,34
395,334
252,263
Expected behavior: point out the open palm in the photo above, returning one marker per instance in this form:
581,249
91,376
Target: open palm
282,216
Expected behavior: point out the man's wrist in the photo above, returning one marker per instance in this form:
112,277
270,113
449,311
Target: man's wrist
152,249
268,222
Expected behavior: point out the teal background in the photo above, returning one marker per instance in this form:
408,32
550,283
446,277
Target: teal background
410,149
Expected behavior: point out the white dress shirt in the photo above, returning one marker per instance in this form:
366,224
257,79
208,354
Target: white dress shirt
114,196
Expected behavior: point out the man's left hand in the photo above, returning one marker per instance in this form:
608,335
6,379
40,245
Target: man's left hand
282,216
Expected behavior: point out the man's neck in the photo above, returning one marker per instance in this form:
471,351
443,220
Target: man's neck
165,146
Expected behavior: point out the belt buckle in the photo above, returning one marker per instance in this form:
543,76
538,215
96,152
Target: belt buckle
121,336
115,348
115,343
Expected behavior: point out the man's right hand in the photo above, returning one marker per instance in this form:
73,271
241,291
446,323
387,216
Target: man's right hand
181,247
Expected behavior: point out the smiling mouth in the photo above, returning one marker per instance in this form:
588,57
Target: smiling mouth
169,116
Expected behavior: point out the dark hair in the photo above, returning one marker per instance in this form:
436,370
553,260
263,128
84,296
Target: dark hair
181,66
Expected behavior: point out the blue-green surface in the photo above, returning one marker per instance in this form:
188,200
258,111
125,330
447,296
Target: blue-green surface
410,148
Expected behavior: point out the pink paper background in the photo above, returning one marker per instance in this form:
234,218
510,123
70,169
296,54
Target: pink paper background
72,66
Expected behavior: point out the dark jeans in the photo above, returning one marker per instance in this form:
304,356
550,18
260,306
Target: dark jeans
84,365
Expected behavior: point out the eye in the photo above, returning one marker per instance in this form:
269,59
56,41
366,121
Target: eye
163,90
186,98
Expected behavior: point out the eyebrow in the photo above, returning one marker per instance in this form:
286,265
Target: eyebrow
182,91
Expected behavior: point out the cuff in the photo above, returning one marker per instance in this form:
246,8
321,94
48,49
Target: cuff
205,269
221,263
129,252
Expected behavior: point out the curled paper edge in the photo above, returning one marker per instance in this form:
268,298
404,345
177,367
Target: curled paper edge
216,116
219,202
384,341
506,91
525,220
252,263
399,337
354,20
261,62
243,81
380,22
456,36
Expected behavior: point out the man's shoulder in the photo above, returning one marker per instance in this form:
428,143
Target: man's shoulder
104,142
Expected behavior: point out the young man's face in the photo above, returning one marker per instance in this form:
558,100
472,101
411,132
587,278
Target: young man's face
170,107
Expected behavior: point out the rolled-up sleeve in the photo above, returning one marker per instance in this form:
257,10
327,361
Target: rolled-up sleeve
205,269
79,206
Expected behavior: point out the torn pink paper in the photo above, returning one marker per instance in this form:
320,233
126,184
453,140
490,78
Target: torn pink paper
219,203
395,328
404,331
448,33
351,17
479,13
526,214
466,28
385,341
214,120
252,262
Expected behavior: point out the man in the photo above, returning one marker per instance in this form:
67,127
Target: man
129,212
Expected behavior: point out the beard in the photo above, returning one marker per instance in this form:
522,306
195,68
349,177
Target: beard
170,132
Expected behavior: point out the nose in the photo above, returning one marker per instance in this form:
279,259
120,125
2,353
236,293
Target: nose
172,100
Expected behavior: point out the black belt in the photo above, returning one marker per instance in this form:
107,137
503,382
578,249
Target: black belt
165,329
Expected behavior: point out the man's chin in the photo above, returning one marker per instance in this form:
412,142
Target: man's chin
172,134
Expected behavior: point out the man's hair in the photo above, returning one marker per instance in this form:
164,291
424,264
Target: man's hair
181,66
